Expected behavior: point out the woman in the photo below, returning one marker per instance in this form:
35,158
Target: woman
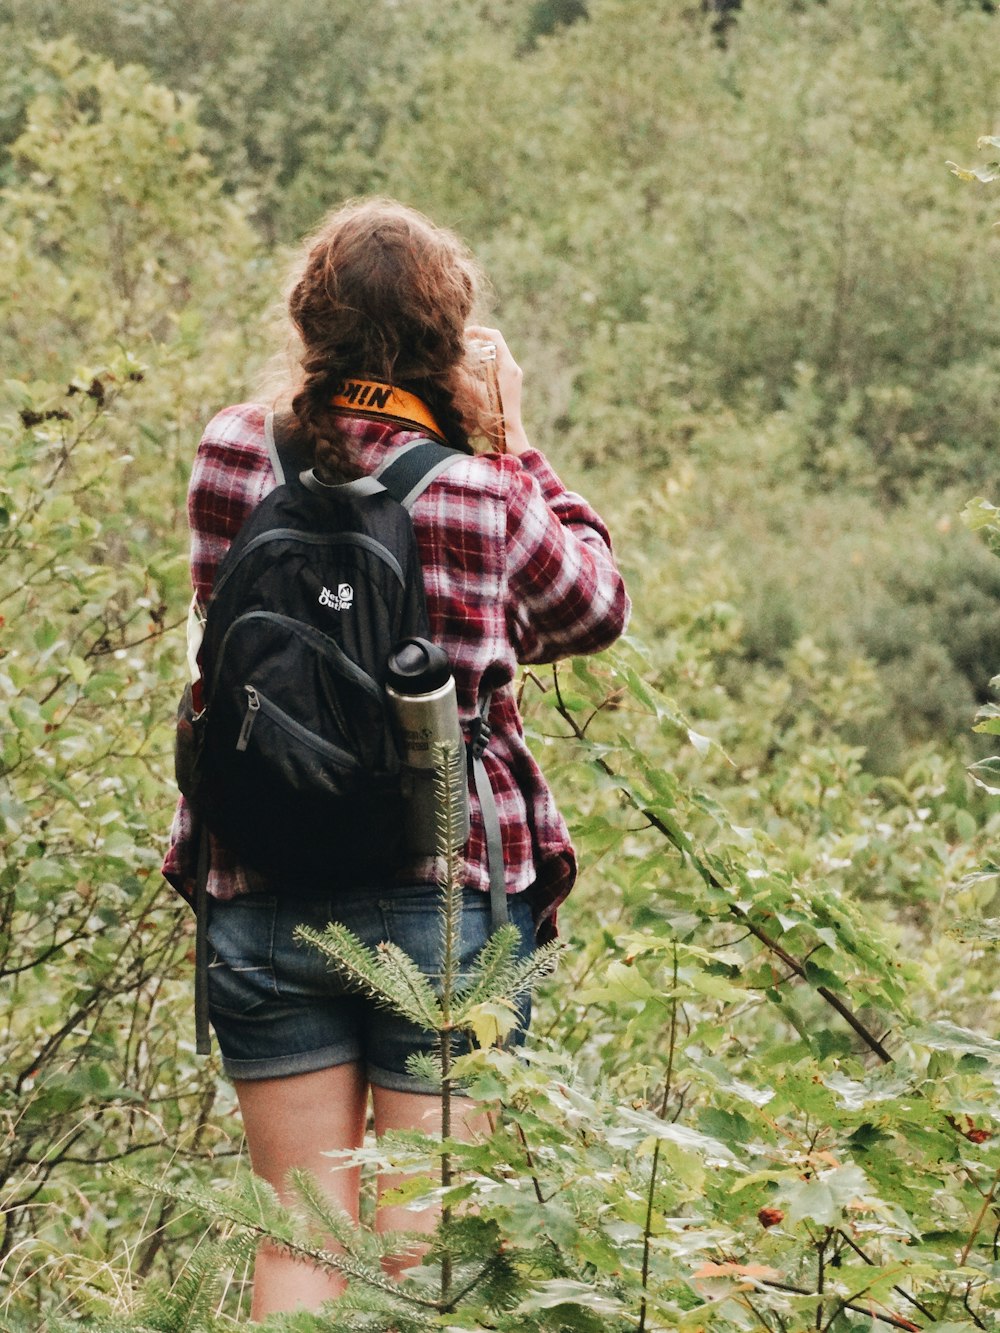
516,569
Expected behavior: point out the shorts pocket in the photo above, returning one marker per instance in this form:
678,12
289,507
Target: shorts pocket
241,954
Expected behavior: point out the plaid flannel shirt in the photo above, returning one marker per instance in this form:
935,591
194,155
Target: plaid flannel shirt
516,570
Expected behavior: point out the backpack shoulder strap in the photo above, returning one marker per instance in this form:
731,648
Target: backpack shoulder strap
479,736
412,469
405,476
273,453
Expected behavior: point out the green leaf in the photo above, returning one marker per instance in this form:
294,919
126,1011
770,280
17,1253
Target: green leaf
947,1036
979,515
701,743
824,1199
984,929
556,1292
986,774
491,1021
985,175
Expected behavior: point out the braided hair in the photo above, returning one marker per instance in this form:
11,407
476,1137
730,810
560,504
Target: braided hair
383,294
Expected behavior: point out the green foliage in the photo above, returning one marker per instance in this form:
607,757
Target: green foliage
99,248
757,318
720,226
727,221
762,1121
94,1066
98,241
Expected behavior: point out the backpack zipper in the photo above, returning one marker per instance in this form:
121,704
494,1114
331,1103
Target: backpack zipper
253,708
258,703
347,538
316,638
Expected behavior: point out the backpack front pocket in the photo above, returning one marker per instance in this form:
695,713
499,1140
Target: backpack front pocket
288,752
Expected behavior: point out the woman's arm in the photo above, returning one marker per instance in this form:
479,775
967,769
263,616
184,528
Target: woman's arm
565,593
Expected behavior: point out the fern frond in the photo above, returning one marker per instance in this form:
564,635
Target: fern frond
387,974
425,1067
503,978
412,994
333,1221
450,866
251,1203
192,1302
275,1224
484,981
351,958
194,1298
539,964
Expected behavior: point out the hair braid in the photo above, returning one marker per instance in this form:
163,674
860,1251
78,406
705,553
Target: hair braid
317,423
441,400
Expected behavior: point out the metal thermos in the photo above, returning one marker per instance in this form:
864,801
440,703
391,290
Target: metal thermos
421,690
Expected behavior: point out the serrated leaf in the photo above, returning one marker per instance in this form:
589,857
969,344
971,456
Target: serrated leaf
680,1135
985,929
985,175
979,512
878,1088
491,1021
701,743
824,1198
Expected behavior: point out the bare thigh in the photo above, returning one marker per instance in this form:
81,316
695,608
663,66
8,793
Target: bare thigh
413,1110
293,1123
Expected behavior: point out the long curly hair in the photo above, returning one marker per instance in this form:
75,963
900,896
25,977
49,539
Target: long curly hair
382,293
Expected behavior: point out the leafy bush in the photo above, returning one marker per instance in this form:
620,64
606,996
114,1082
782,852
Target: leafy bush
781,955
768,1114
93,952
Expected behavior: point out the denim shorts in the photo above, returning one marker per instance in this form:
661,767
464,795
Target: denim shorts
279,1007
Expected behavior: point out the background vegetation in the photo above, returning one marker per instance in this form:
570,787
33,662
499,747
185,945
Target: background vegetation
758,318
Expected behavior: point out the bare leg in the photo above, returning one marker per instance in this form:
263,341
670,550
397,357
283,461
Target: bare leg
415,1110
292,1122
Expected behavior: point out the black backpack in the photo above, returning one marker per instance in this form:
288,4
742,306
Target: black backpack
292,761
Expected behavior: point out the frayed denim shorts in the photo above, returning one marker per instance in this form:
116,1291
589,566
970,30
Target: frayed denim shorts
279,1007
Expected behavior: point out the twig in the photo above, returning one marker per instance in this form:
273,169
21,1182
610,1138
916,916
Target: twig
884,1316
980,1219
650,1199
917,1305
867,1036
531,1163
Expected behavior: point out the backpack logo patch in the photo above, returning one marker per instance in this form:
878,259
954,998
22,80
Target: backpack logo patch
341,600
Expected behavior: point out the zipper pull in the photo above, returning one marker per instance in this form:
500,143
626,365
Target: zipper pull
253,708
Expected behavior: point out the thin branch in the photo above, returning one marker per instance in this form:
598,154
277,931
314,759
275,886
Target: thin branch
980,1219
647,1235
884,1316
928,1314
46,954
867,1036
531,1163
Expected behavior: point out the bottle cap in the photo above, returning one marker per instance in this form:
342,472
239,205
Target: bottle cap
417,666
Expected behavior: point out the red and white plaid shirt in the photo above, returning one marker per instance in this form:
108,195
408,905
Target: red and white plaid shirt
516,570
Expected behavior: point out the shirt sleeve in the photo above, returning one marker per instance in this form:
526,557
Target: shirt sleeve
230,475
565,593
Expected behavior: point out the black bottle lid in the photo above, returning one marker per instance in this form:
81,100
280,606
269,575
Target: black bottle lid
417,666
